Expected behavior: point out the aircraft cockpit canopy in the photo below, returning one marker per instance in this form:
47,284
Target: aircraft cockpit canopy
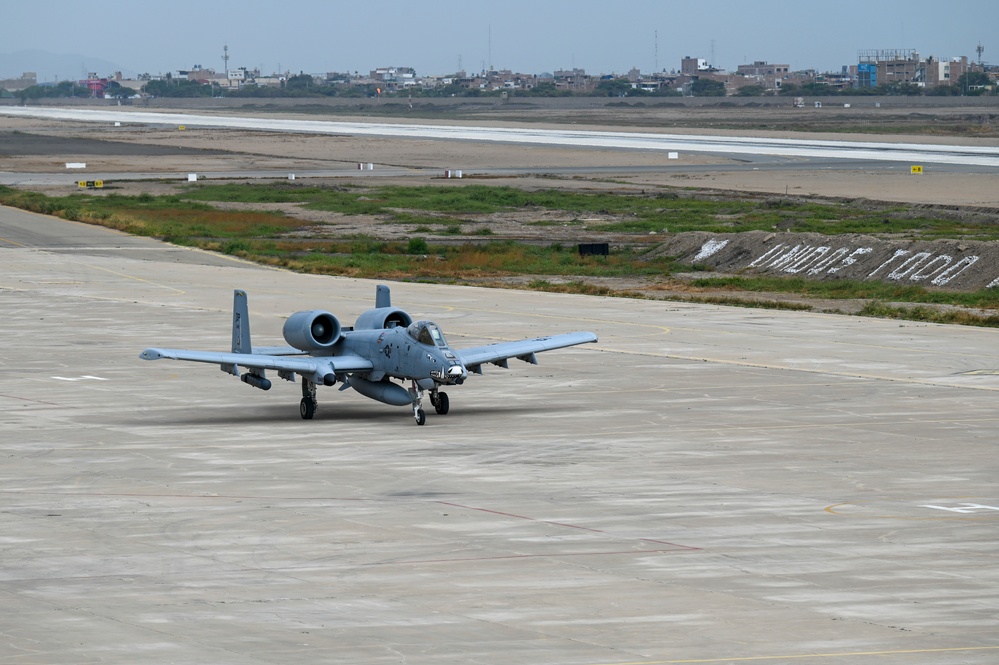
427,332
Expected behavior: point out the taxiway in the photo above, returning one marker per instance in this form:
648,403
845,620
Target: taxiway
707,484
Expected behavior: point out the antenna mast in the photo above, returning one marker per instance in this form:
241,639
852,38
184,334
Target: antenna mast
225,59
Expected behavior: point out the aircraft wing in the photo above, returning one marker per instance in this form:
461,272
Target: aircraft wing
311,366
278,351
524,349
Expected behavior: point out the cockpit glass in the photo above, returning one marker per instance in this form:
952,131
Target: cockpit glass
427,333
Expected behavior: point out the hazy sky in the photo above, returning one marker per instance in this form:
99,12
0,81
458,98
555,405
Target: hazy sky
601,36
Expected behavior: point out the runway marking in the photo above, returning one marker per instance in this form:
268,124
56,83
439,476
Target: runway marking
552,555
85,377
137,279
964,508
788,368
966,513
564,524
803,656
34,401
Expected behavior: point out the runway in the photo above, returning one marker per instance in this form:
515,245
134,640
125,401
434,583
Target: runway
733,146
706,484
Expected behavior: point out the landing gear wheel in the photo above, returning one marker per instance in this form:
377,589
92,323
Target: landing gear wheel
307,408
442,404
421,416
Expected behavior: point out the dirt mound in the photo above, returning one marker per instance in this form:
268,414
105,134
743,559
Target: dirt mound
954,264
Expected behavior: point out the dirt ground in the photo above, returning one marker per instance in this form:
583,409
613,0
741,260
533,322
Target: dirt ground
37,146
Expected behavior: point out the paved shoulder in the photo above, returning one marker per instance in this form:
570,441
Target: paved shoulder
19,228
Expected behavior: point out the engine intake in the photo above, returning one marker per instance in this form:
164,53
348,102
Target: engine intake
382,317
312,331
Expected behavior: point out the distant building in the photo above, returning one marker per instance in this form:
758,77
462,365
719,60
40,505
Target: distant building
27,80
765,74
761,68
887,66
693,66
945,72
575,80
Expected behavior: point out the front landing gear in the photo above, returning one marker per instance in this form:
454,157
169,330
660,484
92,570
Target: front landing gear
307,407
416,393
440,401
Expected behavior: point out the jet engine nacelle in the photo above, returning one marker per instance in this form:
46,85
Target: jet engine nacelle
312,331
382,317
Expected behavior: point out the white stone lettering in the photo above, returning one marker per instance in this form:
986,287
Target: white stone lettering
850,260
952,272
910,264
788,257
925,271
897,254
828,261
811,258
763,258
994,282
710,248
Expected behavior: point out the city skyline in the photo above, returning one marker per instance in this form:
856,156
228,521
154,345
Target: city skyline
653,35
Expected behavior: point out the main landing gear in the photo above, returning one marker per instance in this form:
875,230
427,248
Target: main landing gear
307,407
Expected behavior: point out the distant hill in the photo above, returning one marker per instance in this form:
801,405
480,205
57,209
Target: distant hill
56,66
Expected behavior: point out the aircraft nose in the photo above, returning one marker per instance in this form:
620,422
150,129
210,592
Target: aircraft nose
457,373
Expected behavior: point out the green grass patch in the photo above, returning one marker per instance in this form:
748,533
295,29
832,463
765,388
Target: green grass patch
675,210
930,315
853,289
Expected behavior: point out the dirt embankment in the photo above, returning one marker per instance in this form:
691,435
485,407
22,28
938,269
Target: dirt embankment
956,264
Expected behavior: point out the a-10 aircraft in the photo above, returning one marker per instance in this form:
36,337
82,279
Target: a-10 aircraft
384,345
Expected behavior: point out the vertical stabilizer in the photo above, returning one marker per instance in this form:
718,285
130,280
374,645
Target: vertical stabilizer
383,297
240,323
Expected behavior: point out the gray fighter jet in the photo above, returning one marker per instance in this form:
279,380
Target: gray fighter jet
384,346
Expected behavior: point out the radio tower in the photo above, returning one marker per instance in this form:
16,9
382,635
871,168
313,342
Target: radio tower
225,59
980,49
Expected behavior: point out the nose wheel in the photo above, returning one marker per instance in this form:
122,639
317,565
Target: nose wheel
440,401
418,413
